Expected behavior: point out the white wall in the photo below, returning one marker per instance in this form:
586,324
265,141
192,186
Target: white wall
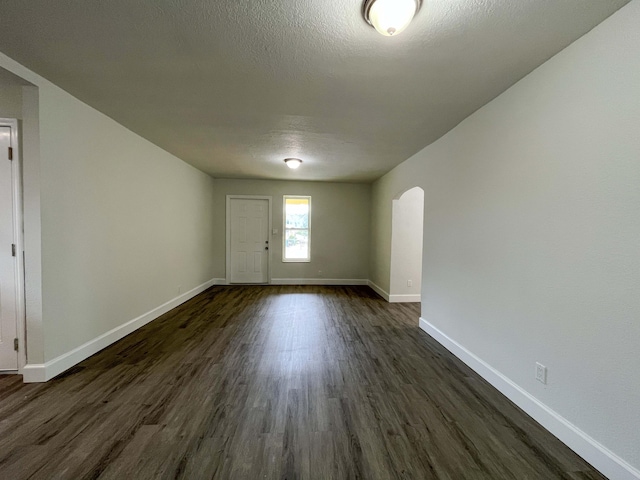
532,239
10,101
406,246
122,225
340,226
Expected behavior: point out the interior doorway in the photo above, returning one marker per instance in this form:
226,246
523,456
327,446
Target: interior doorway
406,246
11,272
248,249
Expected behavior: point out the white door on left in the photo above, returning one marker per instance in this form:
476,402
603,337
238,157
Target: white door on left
8,267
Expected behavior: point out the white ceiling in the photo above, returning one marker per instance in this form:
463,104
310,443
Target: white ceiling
235,86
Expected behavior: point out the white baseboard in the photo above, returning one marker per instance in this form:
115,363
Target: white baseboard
318,281
219,281
378,290
593,452
46,371
404,298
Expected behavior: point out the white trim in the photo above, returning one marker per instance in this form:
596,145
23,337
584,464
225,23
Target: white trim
46,371
227,265
219,281
593,452
18,235
319,281
405,298
378,290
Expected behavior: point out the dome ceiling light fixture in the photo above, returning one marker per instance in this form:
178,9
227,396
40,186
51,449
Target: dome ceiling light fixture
292,163
390,17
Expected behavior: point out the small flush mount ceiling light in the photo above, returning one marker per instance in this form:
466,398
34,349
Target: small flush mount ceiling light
292,163
390,17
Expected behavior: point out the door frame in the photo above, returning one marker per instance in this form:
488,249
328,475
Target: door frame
18,238
228,222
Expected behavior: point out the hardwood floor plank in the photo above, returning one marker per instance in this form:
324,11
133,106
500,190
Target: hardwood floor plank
275,382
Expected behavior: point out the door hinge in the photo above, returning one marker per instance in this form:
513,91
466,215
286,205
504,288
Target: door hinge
13,249
10,153
15,344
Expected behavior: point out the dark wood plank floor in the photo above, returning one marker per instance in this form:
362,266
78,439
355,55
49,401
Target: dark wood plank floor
277,383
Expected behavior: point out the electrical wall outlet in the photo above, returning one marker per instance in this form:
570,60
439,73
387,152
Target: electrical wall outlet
541,373
409,283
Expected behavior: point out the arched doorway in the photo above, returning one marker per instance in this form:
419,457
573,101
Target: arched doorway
406,246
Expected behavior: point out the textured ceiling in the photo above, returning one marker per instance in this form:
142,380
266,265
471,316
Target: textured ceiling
235,86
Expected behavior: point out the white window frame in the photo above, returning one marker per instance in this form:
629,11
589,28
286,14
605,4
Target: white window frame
284,230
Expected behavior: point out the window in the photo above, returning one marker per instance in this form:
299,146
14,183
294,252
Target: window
297,229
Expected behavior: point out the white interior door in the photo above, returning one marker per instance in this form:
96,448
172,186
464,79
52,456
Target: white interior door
249,240
8,272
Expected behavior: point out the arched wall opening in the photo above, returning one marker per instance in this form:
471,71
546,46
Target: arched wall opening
406,246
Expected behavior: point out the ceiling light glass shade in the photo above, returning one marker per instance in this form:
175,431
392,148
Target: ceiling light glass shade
390,17
292,163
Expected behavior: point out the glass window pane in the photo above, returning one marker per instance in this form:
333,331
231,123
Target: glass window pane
297,213
296,244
